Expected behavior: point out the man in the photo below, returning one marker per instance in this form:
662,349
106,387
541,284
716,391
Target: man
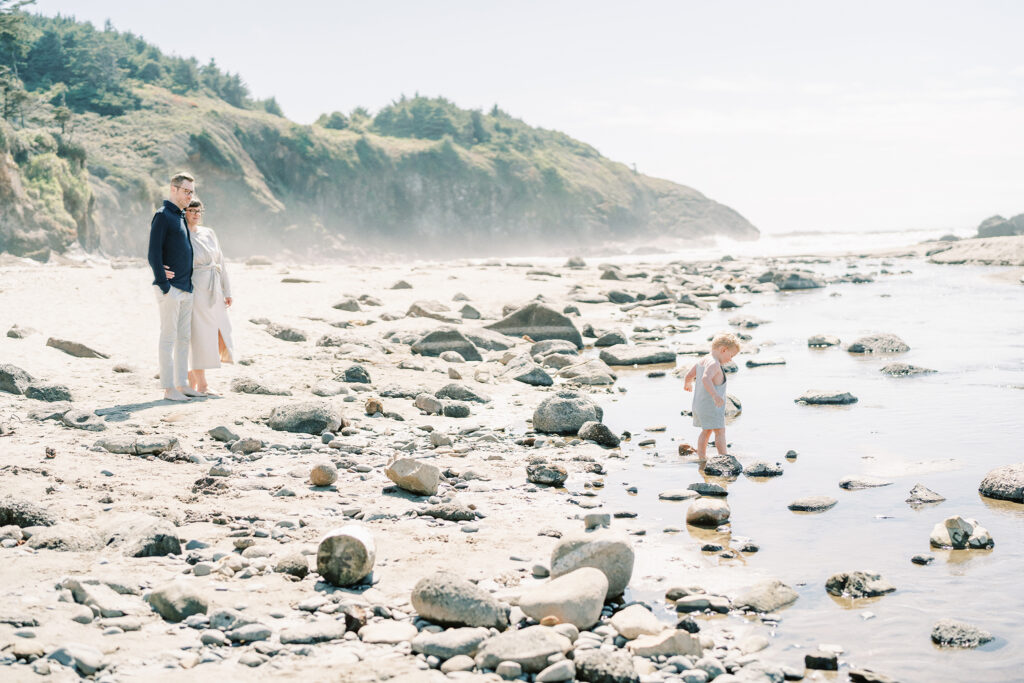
171,246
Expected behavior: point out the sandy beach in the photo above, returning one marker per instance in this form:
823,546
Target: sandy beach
238,510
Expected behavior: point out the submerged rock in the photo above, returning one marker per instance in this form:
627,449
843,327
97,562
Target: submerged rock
960,532
904,370
952,633
921,495
813,504
1004,483
879,343
858,584
816,397
624,354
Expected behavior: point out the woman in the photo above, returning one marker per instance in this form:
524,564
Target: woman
211,329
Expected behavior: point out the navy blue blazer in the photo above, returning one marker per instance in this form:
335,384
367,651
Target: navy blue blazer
170,245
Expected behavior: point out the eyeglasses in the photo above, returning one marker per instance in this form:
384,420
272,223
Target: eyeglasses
188,193
197,211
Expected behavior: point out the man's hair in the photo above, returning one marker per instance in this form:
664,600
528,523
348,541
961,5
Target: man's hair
195,204
178,178
725,340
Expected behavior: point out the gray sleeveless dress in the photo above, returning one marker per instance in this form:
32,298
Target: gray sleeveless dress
706,415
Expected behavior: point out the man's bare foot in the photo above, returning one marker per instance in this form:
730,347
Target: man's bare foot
189,391
174,395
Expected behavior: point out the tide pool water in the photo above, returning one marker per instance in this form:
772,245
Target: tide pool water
944,430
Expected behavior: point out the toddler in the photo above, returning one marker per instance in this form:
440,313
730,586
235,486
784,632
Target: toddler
709,397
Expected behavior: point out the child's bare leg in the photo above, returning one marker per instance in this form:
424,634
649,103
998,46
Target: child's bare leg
720,441
702,442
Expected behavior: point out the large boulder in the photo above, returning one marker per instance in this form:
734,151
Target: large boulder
530,647
450,600
575,598
997,226
878,343
1004,483
309,417
960,532
538,322
13,379
446,339
624,354
607,552
565,413
414,476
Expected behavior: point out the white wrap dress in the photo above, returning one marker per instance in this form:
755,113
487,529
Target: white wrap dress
211,329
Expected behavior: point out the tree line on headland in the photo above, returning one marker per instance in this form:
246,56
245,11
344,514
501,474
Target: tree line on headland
94,121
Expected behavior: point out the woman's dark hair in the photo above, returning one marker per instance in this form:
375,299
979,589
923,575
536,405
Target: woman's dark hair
195,204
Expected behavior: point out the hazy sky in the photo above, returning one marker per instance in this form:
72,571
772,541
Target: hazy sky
801,115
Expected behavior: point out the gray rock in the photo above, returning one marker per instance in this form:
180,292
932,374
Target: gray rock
23,513
920,495
52,411
789,280
529,647
1004,483
349,304
722,466
285,333
310,633
564,670
861,482
601,550
414,476
310,417
593,372
538,322
460,392
469,313
959,533
13,379
816,397
247,385
822,340
822,660
575,598
84,659
952,633
868,676
489,340
450,642
624,354
456,409
904,370
142,536
450,600
134,445
599,666
247,445
598,433
879,343
635,621
323,474
446,339
294,564
429,404
177,600
401,284
668,643
354,374
708,489
565,413
677,494
345,556
66,537
708,512
458,663
546,474
858,584
528,372
764,362
328,388
18,332
223,434
84,419
765,596
813,504
453,511
431,309
49,392
553,346
761,468
102,598
611,338
73,348
250,633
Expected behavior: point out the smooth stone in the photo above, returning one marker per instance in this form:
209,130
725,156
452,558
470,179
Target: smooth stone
310,417
565,413
765,596
1004,483
635,621
624,354
177,600
575,598
142,536
222,433
601,550
323,474
388,632
450,642
813,504
414,476
65,537
668,643
708,512
84,419
764,362
84,659
708,489
449,600
249,633
564,670
458,663
530,647
860,482
509,670
345,556
816,397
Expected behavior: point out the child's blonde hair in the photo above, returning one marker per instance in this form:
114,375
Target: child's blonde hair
725,340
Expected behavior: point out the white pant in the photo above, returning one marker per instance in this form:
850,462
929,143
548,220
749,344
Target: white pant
175,331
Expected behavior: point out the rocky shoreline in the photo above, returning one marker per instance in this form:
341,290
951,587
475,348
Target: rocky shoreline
402,480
